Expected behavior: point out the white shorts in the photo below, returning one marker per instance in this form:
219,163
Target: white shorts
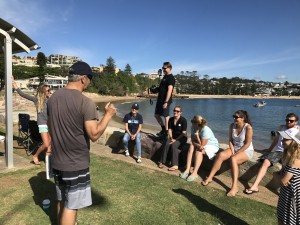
211,150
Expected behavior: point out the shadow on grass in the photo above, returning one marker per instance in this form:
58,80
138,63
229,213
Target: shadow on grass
204,206
44,189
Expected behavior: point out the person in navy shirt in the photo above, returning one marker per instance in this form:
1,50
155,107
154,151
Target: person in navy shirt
133,125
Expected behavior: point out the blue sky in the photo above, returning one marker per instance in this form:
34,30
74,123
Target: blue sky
254,39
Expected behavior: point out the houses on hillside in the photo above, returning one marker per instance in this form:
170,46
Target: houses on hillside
54,82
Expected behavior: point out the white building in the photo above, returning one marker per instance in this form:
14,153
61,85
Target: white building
54,82
24,61
62,60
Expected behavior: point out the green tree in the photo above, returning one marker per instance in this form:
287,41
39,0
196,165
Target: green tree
143,83
41,61
110,67
127,69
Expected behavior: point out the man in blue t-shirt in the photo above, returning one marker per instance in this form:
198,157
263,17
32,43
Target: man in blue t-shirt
133,125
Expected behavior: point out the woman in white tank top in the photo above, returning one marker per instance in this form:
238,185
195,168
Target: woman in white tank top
240,149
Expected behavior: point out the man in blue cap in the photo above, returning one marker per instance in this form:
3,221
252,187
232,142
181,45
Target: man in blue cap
133,125
72,121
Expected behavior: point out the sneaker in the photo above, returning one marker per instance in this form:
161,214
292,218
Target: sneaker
126,153
139,160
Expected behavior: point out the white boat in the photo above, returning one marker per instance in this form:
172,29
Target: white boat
297,105
260,104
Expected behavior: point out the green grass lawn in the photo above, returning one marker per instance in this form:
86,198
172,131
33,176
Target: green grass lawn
124,193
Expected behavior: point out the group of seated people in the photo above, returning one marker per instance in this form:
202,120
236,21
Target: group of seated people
203,142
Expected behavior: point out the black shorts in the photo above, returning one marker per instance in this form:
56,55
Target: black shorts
159,110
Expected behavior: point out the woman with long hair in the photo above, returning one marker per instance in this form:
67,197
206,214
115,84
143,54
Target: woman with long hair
288,209
203,143
43,92
240,149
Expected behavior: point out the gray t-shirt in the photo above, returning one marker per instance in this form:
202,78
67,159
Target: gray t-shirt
68,109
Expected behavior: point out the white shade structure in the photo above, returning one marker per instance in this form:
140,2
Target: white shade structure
12,40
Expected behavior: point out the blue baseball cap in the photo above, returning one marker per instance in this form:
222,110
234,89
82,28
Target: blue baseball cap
135,106
81,68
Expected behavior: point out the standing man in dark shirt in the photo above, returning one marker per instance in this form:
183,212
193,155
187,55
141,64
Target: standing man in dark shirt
164,98
72,121
177,133
133,125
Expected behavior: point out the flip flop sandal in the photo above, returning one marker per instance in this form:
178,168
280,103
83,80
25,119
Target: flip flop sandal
160,165
183,175
172,169
191,179
205,183
250,192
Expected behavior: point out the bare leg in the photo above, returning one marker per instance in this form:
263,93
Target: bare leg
68,216
198,161
189,159
167,122
60,206
221,157
236,160
46,145
261,173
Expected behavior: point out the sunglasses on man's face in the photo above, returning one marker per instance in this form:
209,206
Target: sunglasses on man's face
164,68
177,111
90,77
289,121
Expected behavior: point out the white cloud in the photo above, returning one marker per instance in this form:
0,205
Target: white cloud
237,63
281,77
28,16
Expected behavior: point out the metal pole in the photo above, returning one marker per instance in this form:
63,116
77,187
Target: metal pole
8,102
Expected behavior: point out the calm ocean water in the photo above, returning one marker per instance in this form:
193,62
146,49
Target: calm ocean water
219,111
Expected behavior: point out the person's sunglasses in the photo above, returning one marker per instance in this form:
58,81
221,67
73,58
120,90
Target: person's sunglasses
290,121
90,77
235,117
49,90
178,111
164,68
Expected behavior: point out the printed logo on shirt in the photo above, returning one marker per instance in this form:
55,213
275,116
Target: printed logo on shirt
133,121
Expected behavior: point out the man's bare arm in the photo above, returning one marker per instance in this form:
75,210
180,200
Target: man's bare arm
95,129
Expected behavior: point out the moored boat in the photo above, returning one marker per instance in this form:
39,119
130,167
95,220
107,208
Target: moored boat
260,104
